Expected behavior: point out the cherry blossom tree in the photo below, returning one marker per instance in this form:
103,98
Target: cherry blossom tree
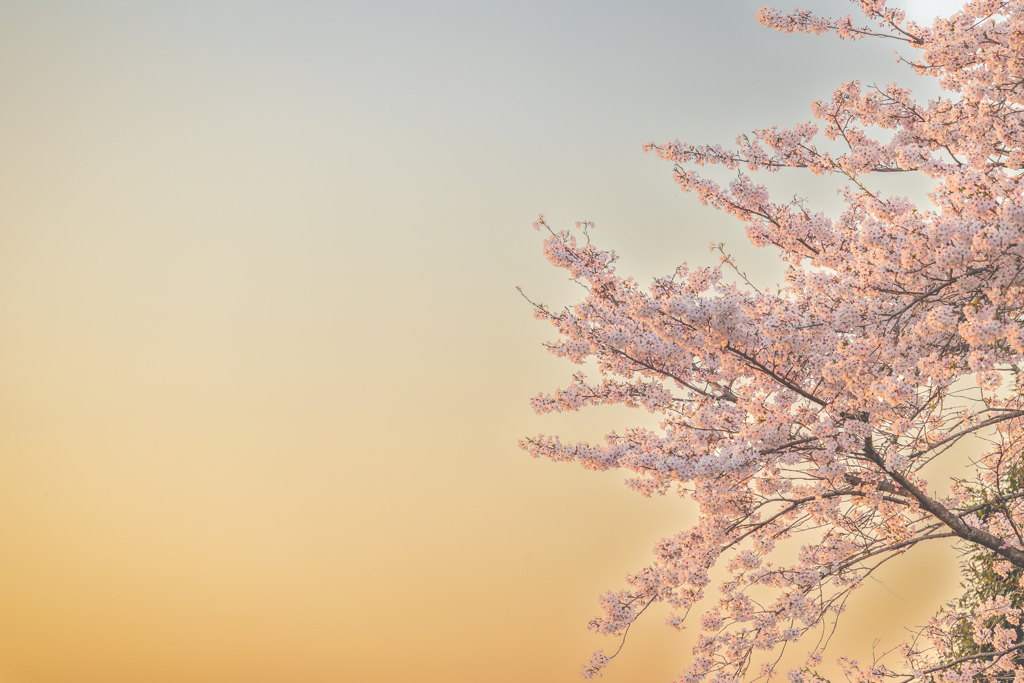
809,411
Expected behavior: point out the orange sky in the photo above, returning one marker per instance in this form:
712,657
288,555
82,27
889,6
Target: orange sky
263,366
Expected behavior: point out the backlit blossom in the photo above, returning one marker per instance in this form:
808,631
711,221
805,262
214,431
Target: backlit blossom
808,411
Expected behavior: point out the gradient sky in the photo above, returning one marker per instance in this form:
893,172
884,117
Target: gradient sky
263,366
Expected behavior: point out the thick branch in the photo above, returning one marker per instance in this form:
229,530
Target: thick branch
944,515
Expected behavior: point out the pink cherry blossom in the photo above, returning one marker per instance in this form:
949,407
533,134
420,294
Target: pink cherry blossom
809,411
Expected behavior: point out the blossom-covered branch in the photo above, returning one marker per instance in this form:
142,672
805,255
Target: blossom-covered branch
811,412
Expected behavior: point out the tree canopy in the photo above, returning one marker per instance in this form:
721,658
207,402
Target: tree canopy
809,411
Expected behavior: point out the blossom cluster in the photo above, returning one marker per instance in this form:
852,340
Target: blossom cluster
810,411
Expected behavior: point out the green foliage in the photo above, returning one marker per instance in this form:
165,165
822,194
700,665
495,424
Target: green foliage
987,575
982,582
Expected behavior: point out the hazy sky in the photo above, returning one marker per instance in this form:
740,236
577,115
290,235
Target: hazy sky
263,365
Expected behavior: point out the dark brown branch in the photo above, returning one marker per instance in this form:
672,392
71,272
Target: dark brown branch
944,515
